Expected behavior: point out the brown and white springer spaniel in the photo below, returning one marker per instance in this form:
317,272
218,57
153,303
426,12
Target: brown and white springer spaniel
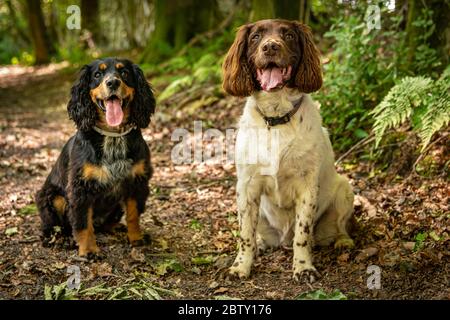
301,200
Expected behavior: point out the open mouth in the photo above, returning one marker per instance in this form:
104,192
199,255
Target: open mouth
113,108
273,77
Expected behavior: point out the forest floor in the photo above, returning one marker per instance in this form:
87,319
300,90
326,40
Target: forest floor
401,226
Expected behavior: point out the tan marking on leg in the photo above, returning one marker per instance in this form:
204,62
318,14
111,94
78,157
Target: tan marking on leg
92,172
59,203
132,217
138,168
86,238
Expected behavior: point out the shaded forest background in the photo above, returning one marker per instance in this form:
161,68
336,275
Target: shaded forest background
181,43
385,101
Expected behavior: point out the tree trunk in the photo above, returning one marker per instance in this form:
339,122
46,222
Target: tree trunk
90,19
287,9
440,39
262,9
159,39
176,22
414,8
38,32
21,34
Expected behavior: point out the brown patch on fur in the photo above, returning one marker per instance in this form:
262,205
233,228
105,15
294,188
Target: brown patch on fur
119,65
306,229
309,74
132,217
59,203
138,169
102,66
86,238
97,92
237,78
93,172
126,91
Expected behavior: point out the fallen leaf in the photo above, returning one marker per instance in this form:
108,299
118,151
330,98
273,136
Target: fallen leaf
221,290
409,245
366,254
11,231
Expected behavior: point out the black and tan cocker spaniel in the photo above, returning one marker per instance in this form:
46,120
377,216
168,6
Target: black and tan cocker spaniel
104,169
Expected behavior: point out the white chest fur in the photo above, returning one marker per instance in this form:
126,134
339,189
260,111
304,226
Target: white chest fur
279,151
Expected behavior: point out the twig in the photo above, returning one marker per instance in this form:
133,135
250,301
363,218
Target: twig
361,143
422,154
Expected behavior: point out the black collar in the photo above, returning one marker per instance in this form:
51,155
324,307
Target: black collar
274,121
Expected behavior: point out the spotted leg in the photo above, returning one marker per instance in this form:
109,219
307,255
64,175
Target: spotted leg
305,209
248,199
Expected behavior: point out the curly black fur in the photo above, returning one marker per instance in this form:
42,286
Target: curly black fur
143,102
81,108
87,147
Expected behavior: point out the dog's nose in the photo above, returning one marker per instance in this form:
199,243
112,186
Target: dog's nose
113,83
270,48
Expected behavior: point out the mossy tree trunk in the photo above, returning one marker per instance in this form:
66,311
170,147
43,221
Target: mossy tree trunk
176,22
440,37
90,19
38,32
262,9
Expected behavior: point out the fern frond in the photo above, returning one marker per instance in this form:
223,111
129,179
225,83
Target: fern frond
438,110
398,105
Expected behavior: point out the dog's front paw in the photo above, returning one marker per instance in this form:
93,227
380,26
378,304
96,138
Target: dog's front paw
91,254
145,240
94,256
239,270
306,274
344,243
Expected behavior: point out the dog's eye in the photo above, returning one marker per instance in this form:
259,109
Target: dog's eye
255,37
124,73
97,75
289,36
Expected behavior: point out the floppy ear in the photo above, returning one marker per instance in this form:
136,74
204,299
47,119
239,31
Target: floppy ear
309,74
81,109
143,100
237,77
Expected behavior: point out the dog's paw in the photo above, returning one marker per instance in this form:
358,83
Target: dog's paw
145,240
239,270
306,275
344,243
114,228
261,246
94,256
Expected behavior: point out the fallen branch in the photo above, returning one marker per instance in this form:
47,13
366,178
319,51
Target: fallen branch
361,143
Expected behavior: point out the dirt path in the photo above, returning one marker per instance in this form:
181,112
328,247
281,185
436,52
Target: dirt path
191,216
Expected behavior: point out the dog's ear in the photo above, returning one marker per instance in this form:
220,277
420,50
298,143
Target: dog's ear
143,100
237,77
309,75
81,109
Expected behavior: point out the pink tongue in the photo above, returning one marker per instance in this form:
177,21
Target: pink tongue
270,78
114,113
